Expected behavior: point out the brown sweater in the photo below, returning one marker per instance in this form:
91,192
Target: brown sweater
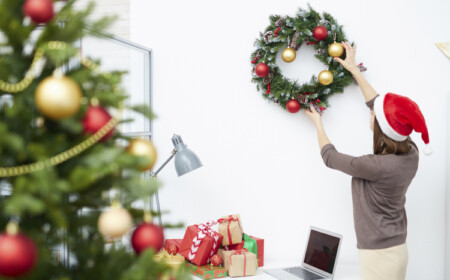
379,185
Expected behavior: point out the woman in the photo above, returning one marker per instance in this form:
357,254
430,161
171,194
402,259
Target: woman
380,180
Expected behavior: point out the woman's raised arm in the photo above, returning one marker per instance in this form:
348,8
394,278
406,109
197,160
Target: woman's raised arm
350,64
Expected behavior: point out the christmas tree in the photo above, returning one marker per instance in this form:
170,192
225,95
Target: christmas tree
73,180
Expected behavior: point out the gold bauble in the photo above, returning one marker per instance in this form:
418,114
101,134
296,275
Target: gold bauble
335,50
58,97
114,222
288,54
145,148
325,77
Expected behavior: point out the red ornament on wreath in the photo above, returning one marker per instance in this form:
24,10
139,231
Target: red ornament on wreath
261,69
18,253
320,32
293,106
40,11
95,118
147,236
216,260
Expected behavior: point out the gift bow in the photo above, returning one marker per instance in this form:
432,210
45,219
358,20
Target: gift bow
229,220
240,252
204,230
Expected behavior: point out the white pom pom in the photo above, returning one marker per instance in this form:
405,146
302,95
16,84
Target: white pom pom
428,150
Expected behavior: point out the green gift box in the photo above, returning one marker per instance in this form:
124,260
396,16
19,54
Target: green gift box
207,271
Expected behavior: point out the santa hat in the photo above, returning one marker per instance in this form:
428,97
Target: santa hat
398,116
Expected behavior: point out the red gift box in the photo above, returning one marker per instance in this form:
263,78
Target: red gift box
259,244
200,242
169,242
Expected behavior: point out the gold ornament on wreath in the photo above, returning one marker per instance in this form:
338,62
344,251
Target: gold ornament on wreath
325,77
323,36
335,49
288,54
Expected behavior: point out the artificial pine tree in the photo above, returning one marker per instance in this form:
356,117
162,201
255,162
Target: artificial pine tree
63,168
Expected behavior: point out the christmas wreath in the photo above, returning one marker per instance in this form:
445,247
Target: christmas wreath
322,33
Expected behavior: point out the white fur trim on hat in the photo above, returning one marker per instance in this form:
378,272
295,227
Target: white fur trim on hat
428,150
382,121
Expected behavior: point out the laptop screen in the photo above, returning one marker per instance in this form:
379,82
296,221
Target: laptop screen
321,251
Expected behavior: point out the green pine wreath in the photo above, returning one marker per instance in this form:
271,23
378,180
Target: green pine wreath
296,31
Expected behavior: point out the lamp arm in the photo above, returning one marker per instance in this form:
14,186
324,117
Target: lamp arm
153,174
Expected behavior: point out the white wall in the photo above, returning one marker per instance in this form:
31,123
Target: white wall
264,163
447,239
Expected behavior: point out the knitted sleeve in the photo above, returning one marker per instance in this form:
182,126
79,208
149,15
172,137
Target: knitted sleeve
371,102
365,167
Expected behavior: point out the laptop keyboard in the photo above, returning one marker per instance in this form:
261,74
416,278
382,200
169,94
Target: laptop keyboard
302,273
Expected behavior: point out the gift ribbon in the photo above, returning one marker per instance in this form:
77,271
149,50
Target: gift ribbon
204,230
240,252
229,219
249,243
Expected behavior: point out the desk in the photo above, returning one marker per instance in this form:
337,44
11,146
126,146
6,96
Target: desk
343,272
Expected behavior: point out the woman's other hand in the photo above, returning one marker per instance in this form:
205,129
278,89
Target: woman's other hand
316,118
313,115
349,62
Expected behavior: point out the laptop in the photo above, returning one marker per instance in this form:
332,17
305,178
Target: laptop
319,261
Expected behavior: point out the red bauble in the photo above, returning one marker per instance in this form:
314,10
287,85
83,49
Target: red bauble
147,235
18,254
40,11
216,260
293,106
95,118
261,69
173,249
320,32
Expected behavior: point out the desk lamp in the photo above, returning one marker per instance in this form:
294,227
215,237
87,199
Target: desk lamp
185,162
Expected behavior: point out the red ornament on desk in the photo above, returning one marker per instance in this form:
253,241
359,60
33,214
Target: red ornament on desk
40,11
320,32
147,236
173,249
95,118
18,253
216,260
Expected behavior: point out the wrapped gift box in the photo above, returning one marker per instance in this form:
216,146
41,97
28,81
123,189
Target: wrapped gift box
200,242
239,262
207,271
252,244
231,228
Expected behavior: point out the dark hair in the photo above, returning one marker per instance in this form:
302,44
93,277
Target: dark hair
385,145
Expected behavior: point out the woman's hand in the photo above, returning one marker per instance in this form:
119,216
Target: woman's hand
349,63
316,118
313,115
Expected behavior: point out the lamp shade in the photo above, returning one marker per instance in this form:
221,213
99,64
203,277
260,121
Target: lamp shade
185,159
